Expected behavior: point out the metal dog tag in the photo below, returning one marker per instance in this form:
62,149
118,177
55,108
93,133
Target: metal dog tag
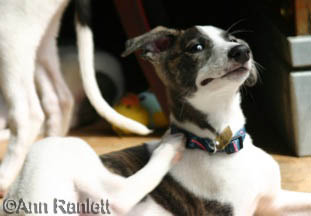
224,138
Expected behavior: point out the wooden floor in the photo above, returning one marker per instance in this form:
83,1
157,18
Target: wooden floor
296,172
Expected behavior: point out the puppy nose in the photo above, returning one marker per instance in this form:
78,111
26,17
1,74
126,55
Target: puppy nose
239,53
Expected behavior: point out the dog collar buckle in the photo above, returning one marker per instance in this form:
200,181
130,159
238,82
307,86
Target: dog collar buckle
223,139
213,146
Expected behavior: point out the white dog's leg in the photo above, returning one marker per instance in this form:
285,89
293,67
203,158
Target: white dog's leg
22,27
48,57
25,113
49,102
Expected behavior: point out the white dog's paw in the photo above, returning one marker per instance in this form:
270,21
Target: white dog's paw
171,147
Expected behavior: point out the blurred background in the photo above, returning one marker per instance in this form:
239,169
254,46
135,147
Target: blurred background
277,108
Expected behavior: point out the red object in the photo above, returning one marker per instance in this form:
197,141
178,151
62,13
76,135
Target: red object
135,23
130,99
199,144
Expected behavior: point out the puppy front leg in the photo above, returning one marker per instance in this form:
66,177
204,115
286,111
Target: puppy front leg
286,203
132,189
294,203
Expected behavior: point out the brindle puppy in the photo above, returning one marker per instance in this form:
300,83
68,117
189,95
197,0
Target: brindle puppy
203,68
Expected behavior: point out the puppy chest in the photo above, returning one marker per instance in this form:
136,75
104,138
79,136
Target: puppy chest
226,178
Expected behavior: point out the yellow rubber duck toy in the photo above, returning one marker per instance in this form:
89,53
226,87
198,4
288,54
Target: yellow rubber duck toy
130,107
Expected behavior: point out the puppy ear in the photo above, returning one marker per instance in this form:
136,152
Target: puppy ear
252,78
152,43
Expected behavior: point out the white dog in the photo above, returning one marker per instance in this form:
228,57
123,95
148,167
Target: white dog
221,173
31,81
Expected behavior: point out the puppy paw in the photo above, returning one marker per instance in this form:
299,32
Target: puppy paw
172,147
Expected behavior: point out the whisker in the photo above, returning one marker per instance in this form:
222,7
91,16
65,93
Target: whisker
251,96
243,90
241,31
259,66
259,77
246,93
235,24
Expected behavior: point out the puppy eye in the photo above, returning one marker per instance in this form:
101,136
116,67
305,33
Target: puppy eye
195,48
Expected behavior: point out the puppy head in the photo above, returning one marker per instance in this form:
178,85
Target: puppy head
201,58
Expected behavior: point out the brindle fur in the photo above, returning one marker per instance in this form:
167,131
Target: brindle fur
180,73
169,194
178,68
184,111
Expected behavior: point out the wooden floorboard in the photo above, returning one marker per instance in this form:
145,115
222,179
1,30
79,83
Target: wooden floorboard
296,172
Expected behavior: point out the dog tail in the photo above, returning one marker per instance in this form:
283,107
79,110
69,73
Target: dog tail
86,59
